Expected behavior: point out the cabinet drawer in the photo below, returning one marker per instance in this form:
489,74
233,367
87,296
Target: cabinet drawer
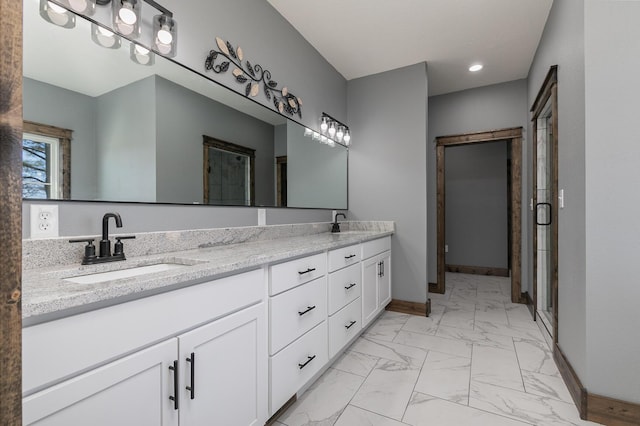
62,348
344,287
343,326
371,248
296,364
295,312
287,275
345,256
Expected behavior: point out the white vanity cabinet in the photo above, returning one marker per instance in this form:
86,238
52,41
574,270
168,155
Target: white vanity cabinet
376,277
156,385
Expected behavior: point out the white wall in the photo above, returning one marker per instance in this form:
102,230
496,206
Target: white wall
492,107
612,158
476,211
562,44
387,167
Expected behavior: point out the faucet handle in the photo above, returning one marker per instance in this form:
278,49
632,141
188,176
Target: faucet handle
89,249
118,248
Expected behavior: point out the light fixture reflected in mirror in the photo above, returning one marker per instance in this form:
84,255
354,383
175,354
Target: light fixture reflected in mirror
347,138
57,15
141,55
84,7
126,16
165,32
105,38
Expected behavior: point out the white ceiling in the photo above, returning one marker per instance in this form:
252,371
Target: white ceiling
364,37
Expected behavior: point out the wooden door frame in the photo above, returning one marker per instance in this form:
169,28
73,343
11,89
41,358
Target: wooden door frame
11,213
513,136
548,91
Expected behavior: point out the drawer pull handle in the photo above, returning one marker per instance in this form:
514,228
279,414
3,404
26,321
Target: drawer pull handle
307,271
350,256
192,389
309,359
174,398
350,324
309,308
350,286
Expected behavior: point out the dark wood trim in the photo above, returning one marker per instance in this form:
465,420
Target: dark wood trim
282,409
513,136
280,161
526,299
428,306
545,91
209,142
440,284
11,213
571,379
612,412
65,137
478,270
406,307
433,287
467,138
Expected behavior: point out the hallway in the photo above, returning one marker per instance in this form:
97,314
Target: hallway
477,360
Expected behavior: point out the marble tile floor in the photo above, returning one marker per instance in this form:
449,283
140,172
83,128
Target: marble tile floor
477,360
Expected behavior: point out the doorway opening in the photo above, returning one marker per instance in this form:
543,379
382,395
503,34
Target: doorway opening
513,138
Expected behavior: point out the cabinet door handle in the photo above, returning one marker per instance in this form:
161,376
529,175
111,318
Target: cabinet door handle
350,256
350,286
382,265
307,271
309,359
175,396
192,387
309,308
350,325
379,269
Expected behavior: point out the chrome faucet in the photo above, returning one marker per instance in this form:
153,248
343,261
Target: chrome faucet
105,244
336,226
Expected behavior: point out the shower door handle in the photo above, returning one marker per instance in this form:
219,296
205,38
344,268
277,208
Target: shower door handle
549,214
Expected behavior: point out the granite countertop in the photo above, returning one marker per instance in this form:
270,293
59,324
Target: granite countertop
48,295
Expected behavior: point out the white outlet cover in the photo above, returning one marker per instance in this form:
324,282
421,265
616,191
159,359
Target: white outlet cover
44,220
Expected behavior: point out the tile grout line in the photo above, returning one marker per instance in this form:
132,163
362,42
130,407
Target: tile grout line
413,390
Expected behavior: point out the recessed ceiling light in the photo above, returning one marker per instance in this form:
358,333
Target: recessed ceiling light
475,67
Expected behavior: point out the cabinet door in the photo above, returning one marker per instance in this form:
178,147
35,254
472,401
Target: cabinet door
228,380
134,390
370,270
384,280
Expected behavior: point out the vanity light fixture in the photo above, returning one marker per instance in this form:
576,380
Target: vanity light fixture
57,15
126,16
334,129
476,67
104,37
165,30
141,55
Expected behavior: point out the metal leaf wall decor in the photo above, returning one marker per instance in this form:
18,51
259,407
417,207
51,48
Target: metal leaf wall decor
251,75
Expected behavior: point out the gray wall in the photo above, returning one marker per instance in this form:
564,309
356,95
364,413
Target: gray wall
562,44
387,174
316,173
183,116
267,39
47,104
476,214
612,151
126,135
486,108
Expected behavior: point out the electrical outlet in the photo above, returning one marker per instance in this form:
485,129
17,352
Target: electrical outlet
44,220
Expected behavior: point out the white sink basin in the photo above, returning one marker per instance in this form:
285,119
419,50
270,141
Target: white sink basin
123,273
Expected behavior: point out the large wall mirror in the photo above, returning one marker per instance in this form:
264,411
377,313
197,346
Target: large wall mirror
138,132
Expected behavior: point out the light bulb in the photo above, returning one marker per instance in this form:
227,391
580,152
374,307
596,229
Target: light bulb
164,35
126,13
340,134
323,139
57,9
307,131
347,137
332,129
316,136
324,126
78,5
140,50
105,32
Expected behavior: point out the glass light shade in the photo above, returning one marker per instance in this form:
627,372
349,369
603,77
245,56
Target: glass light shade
307,131
57,15
105,38
332,129
324,125
340,133
165,40
141,55
316,136
347,137
127,15
331,143
85,7
323,139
